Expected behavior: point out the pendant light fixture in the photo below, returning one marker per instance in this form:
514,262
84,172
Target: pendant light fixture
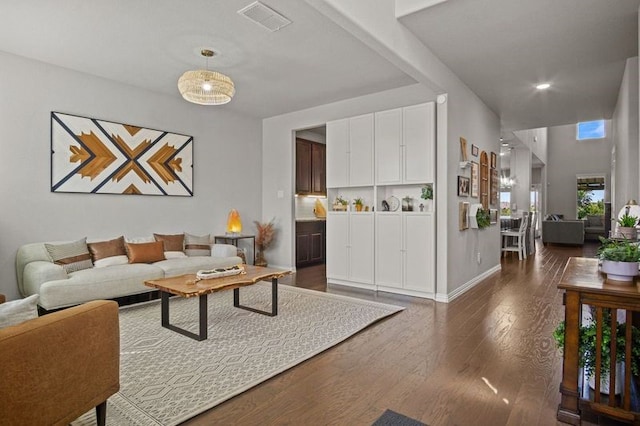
206,87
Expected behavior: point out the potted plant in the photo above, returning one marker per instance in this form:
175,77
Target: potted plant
478,217
483,218
264,238
619,259
587,349
427,192
340,204
627,226
358,202
427,195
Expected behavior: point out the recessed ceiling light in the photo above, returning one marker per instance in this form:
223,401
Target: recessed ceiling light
543,86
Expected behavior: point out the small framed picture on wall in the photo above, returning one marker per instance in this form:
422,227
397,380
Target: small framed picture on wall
463,186
475,170
474,150
463,216
494,160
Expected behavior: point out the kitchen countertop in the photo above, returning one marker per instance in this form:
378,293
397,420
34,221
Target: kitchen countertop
311,219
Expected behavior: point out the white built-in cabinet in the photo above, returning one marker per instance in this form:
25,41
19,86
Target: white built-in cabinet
350,153
377,157
404,244
404,145
350,245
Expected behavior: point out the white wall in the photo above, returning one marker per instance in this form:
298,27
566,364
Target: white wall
463,115
625,138
567,158
521,174
227,162
467,117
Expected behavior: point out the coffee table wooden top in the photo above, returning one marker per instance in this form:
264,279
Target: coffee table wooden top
189,286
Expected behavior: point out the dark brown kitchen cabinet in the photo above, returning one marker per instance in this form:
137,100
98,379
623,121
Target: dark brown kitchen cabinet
310,243
310,168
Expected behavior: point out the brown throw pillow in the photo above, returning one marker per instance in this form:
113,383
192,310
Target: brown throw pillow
145,252
103,249
171,242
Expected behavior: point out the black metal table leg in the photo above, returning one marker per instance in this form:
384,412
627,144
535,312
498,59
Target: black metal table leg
202,302
274,300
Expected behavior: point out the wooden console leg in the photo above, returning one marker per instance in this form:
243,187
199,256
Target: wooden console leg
569,410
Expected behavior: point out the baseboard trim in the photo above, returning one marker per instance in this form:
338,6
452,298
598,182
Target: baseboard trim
446,298
406,292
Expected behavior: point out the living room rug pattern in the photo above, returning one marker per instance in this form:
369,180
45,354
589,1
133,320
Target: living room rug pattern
167,378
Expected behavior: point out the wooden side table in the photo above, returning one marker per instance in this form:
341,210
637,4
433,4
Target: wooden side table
233,239
584,284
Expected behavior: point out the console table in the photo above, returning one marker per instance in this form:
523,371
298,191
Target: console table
233,239
584,284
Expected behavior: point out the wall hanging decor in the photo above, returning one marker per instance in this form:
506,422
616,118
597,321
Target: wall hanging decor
484,180
102,157
495,182
475,176
463,216
463,149
463,186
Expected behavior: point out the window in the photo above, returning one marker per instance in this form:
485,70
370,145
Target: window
590,196
591,130
505,203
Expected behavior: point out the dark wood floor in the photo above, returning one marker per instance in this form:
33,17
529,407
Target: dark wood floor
487,358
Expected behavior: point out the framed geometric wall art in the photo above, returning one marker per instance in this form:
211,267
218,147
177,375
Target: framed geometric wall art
102,157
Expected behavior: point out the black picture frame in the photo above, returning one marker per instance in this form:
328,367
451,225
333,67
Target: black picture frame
463,186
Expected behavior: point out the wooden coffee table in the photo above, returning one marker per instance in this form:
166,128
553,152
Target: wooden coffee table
189,286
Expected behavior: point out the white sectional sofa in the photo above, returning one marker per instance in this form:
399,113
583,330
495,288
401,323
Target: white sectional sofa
38,274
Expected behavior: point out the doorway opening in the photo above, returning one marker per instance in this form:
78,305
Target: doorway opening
590,196
310,200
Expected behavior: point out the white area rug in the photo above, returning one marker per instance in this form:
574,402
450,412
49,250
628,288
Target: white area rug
167,378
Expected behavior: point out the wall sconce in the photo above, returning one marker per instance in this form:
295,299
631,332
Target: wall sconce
234,224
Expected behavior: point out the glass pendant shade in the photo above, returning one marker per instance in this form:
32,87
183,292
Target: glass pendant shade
206,87
234,224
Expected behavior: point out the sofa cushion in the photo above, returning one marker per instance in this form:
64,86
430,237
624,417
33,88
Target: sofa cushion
98,283
197,246
72,256
17,311
174,254
595,221
111,261
145,252
171,242
190,265
103,249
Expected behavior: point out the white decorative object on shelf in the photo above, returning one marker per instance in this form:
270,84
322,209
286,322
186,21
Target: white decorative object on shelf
473,210
220,272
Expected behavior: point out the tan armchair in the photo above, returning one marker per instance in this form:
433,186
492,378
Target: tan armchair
59,366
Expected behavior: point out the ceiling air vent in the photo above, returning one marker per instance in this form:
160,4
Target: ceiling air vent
264,16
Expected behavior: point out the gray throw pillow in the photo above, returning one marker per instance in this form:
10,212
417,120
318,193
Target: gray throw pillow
17,311
197,246
72,257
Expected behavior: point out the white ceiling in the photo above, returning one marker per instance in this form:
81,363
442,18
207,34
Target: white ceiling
502,48
150,43
499,48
